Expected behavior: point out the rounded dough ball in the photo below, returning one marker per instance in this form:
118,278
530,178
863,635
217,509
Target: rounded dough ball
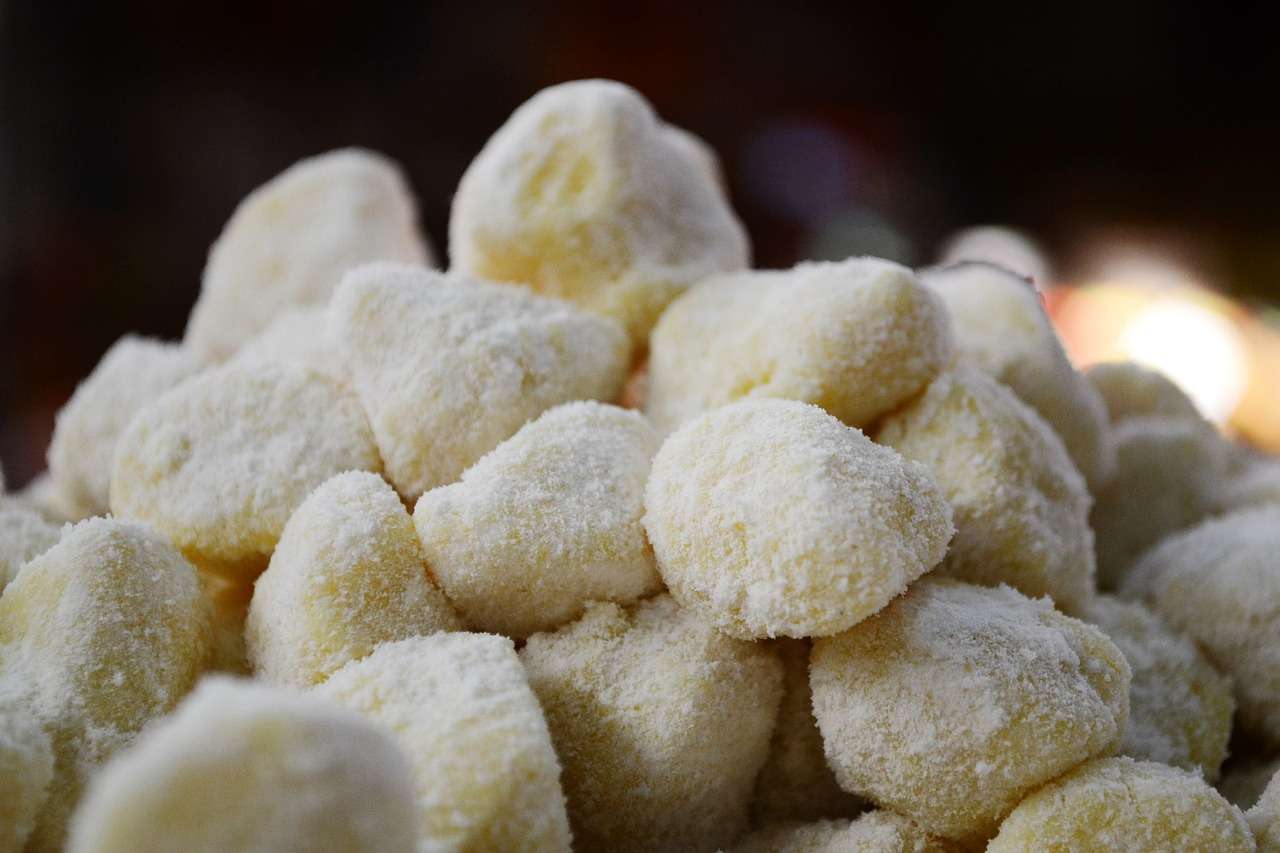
26,769
858,338
795,783
459,705
253,769
134,372
23,536
347,575
1220,583
1001,327
102,633
1118,805
448,367
291,239
956,701
1264,818
297,336
1130,390
49,498
661,721
1169,473
771,517
874,832
219,463
1180,706
547,521
1021,507
583,195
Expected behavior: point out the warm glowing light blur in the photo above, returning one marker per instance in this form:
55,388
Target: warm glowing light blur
998,244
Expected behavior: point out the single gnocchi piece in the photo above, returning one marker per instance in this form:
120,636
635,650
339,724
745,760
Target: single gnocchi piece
26,769
547,521
254,769
1021,507
219,463
585,195
858,338
1118,805
876,831
485,775
1169,475
49,498
1001,327
772,518
101,634
448,367
347,575
1220,583
296,336
1130,390
289,242
1180,706
795,783
662,724
1005,693
133,373
24,534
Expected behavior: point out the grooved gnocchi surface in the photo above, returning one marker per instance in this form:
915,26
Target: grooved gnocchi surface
547,521
253,769
448,367
584,195
1005,693
219,463
858,338
662,724
347,575
1118,805
459,705
1002,328
1021,507
771,517
99,635
289,242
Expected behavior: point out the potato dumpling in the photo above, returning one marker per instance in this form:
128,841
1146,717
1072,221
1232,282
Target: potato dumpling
547,521
26,769
296,336
584,194
1021,507
858,338
662,724
24,534
1118,805
99,635
956,701
1169,475
1130,390
795,783
1001,327
289,242
771,517
219,463
1220,583
448,367
347,575
459,705
254,769
133,372
1180,706
876,831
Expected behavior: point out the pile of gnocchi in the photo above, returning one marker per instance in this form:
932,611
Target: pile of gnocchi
602,540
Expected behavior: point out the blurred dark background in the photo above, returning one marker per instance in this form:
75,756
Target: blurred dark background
128,132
